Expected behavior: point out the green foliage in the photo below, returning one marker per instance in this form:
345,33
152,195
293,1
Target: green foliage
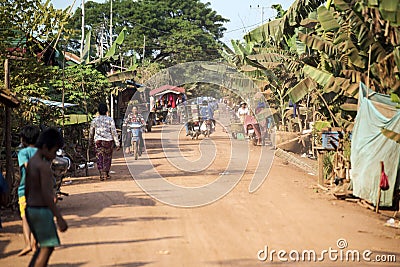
204,89
28,78
396,99
82,84
28,33
284,26
30,25
174,31
344,44
328,160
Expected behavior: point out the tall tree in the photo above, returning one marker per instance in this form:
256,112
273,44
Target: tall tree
168,31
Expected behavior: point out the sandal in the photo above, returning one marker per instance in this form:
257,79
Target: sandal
102,176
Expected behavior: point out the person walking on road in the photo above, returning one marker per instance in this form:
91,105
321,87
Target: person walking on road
29,134
104,136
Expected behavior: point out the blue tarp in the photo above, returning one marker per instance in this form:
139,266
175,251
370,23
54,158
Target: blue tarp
369,147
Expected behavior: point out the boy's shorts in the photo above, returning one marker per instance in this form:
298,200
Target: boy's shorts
22,206
41,223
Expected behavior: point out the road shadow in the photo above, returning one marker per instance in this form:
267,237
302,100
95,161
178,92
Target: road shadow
76,264
3,245
111,221
91,203
130,264
13,228
85,244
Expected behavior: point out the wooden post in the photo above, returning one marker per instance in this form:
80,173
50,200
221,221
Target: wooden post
320,166
379,190
82,28
9,163
111,23
313,132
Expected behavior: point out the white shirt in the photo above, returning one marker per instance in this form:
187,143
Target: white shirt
242,111
103,128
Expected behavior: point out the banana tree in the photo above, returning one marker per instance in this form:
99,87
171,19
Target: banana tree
353,51
343,48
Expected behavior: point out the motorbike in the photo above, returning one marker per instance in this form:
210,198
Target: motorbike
135,129
207,127
194,129
60,166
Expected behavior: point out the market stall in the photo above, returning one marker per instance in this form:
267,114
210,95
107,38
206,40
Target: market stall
165,101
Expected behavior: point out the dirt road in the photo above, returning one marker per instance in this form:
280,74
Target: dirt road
114,223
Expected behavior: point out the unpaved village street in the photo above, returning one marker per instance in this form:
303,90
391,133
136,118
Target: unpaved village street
115,223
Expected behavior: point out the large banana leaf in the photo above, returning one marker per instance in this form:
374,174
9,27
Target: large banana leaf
341,85
301,89
354,55
319,76
330,82
300,10
122,76
272,30
236,49
327,20
120,39
268,61
248,68
267,57
318,43
286,25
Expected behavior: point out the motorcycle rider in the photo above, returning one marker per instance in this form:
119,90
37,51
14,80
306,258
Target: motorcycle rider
135,117
207,113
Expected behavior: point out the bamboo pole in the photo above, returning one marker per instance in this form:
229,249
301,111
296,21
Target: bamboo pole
63,95
313,131
82,28
9,163
111,22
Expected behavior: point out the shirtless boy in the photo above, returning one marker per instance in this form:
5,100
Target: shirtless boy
29,136
39,192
